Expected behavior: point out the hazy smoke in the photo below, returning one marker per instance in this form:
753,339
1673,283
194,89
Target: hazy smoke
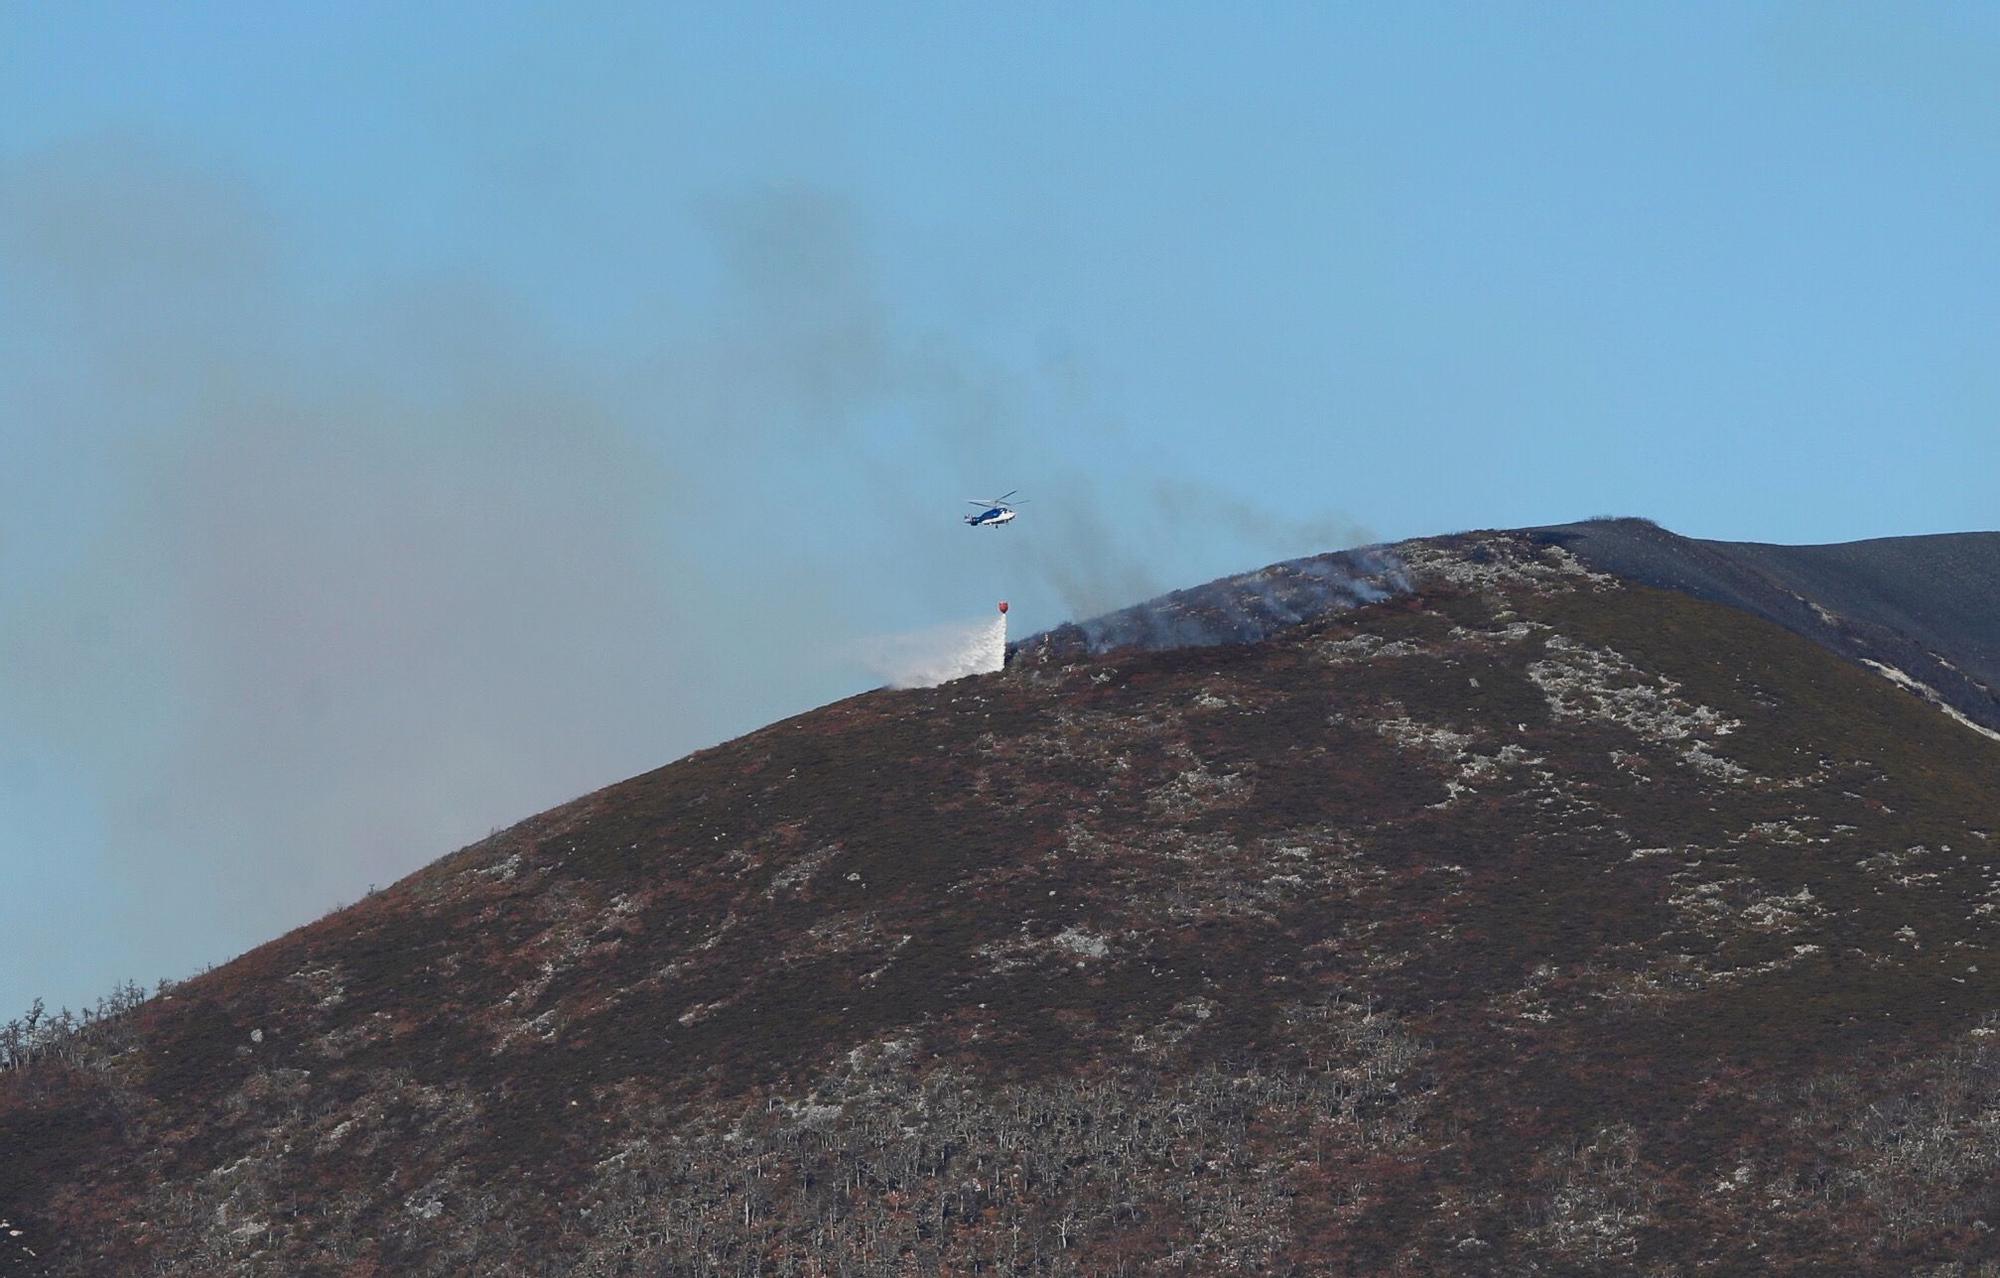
926,658
324,581
1192,504
343,583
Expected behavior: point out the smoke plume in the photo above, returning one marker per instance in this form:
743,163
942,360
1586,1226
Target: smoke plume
346,581
306,583
1234,610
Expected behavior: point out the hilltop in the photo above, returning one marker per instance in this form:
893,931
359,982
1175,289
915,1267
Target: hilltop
1473,908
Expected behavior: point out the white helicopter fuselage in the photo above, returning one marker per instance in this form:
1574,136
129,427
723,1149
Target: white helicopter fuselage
993,511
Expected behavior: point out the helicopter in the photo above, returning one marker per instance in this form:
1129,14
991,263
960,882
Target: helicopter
993,511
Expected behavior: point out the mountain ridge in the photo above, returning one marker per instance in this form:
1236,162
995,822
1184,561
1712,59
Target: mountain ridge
1522,919
1922,605
1919,609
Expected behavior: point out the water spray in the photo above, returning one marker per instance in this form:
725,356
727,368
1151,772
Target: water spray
926,658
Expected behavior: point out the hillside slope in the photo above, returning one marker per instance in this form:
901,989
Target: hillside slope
1925,608
1521,920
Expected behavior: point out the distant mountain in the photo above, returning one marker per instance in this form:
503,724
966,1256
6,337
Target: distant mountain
1926,607
1457,907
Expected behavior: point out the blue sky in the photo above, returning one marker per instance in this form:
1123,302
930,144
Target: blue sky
413,416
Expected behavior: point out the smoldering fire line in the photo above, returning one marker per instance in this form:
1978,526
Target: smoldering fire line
1233,610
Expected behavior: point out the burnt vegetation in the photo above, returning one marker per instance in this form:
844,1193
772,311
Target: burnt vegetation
1521,921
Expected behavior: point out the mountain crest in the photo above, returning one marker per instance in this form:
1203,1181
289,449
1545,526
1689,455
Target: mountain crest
1501,914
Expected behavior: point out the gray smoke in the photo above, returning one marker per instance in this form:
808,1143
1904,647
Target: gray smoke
367,570
1234,610
1197,505
358,579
